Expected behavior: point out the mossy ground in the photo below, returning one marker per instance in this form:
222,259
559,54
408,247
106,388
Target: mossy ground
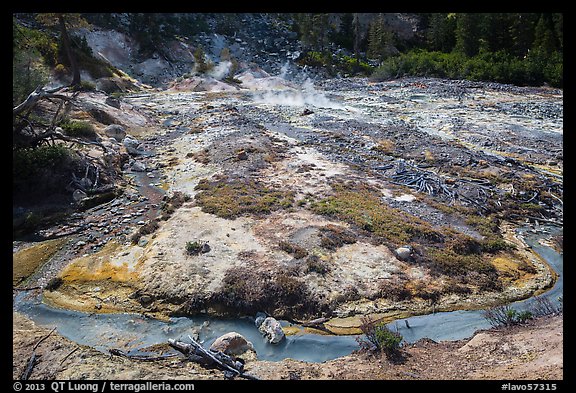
230,198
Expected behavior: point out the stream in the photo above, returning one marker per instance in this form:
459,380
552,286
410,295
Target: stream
134,333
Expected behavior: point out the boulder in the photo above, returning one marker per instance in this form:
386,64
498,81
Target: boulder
260,317
107,85
138,166
232,344
403,253
272,330
115,131
132,145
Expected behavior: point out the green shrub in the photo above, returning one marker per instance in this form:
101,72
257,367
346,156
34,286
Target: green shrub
78,129
28,162
379,337
317,265
54,284
197,247
506,316
293,249
500,66
230,198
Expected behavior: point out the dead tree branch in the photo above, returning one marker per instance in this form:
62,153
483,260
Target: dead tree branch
195,352
142,358
33,360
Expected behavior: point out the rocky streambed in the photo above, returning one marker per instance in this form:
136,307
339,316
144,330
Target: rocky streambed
336,200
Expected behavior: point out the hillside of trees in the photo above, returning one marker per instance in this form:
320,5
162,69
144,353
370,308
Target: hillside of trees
517,48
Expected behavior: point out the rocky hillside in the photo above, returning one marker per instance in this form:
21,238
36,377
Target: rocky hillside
155,49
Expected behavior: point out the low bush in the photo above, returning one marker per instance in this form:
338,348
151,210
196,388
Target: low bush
534,70
30,162
197,247
79,129
378,337
506,316
293,249
230,198
317,265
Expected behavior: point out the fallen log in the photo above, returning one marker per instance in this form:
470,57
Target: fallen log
196,353
142,358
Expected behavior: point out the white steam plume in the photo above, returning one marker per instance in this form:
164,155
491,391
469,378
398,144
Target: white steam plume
307,95
221,70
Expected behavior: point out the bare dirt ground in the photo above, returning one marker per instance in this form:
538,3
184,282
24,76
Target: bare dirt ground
526,352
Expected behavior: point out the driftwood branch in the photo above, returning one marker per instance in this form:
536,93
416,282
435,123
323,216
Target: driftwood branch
33,98
29,367
195,352
33,360
69,354
142,358
43,338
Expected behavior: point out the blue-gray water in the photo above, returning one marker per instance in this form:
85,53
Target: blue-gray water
132,332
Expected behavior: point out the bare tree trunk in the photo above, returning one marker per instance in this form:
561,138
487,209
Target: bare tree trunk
68,49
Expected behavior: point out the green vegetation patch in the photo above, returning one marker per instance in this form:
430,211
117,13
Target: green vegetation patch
231,198
362,206
444,251
79,129
486,66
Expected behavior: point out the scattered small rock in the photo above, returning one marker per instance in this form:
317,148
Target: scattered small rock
138,166
132,145
242,155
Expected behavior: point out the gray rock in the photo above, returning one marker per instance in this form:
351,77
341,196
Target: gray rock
272,330
113,102
138,166
132,145
232,343
78,195
115,131
260,317
403,253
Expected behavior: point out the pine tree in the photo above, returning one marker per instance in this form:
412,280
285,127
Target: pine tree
380,39
522,33
544,37
467,34
64,22
494,30
440,33
314,30
558,29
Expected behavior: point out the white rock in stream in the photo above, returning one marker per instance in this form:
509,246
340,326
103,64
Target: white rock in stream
272,330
